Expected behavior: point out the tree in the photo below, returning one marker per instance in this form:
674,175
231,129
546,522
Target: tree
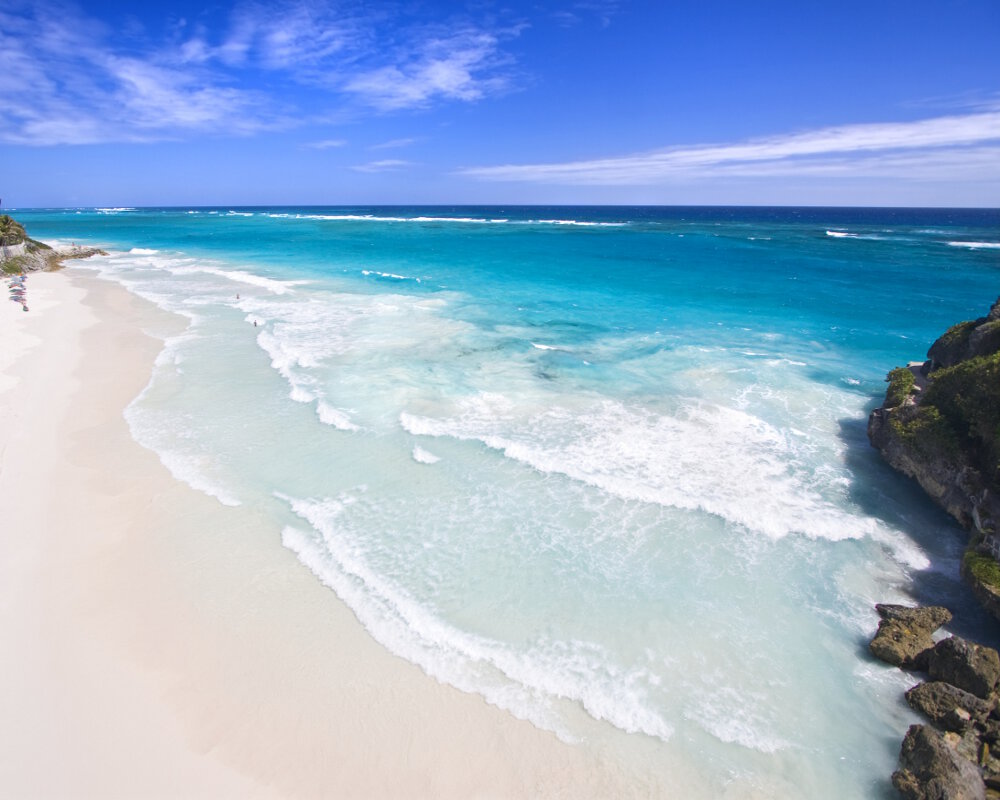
11,231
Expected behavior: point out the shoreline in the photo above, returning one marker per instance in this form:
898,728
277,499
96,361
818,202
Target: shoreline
170,646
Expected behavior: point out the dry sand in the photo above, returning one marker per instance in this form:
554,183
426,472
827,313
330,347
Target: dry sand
157,643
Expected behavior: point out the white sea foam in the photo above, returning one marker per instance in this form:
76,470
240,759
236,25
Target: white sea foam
422,456
155,431
239,214
686,460
977,245
335,417
391,275
142,251
455,220
736,718
526,680
113,210
189,470
301,395
544,346
240,276
866,236
580,223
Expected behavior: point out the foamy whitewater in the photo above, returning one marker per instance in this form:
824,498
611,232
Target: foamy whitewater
603,466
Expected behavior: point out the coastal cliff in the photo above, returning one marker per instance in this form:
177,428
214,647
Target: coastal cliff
20,253
940,424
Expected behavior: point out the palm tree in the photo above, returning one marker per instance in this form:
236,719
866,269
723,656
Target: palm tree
11,231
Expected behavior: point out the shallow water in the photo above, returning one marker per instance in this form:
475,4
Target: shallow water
593,464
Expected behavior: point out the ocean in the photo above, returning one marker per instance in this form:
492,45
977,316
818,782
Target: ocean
605,467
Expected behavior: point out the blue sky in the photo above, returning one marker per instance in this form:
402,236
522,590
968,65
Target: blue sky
880,102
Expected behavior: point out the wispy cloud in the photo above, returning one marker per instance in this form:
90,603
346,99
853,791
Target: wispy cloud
326,144
393,144
67,78
64,82
292,35
927,146
575,13
455,67
385,165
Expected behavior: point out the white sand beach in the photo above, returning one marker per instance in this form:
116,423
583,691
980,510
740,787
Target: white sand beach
159,644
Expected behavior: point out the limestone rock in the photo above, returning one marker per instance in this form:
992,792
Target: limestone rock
928,618
978,337
939,428
931,769
948,706
904,638
967,665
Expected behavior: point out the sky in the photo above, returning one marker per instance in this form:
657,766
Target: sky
676,102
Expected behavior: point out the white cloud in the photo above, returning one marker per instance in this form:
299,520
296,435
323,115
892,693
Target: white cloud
927,145
385,165
65,83
392,144
159,98
66,78
458,67
290,35
326,144
575,13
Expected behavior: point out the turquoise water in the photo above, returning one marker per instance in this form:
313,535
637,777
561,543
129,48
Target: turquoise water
606,467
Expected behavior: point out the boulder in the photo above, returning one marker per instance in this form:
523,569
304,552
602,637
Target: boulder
931,769
948,706
967,665
928,618
904,638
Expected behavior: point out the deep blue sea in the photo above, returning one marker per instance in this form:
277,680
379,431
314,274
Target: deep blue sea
606,467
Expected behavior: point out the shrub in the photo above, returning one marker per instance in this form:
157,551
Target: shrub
900,386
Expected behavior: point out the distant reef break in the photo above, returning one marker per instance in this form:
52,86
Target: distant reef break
940,424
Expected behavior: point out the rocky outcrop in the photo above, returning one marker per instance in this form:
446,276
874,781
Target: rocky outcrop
20,253
964,664
940,425
952,756
930,768
966,340
33,256
947,706
904,634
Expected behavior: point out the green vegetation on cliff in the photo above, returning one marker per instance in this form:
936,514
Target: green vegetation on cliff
967,396
958,415
11,231
927,433
982,568
945,433
901,382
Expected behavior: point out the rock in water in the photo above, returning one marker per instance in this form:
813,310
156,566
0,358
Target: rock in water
967,665
948,706
931,769
904,638
928,618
